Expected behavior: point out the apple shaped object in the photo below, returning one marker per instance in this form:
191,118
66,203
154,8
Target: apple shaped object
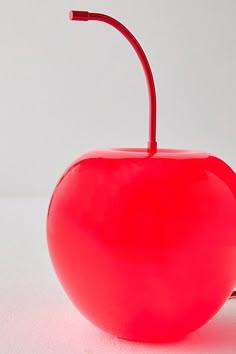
143,240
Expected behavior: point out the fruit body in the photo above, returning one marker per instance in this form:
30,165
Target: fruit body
145,244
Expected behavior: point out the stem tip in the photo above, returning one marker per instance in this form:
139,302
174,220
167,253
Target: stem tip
78,15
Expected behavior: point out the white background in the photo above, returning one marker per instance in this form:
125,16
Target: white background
66,88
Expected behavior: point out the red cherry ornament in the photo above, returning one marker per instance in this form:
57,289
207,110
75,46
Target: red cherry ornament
144,240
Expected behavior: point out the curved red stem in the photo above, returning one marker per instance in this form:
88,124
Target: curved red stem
86,16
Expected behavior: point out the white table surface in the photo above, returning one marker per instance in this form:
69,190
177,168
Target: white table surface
37,318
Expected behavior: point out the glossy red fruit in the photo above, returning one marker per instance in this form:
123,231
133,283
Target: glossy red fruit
144,240
145,244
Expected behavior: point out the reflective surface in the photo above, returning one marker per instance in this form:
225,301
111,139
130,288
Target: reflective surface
145,245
